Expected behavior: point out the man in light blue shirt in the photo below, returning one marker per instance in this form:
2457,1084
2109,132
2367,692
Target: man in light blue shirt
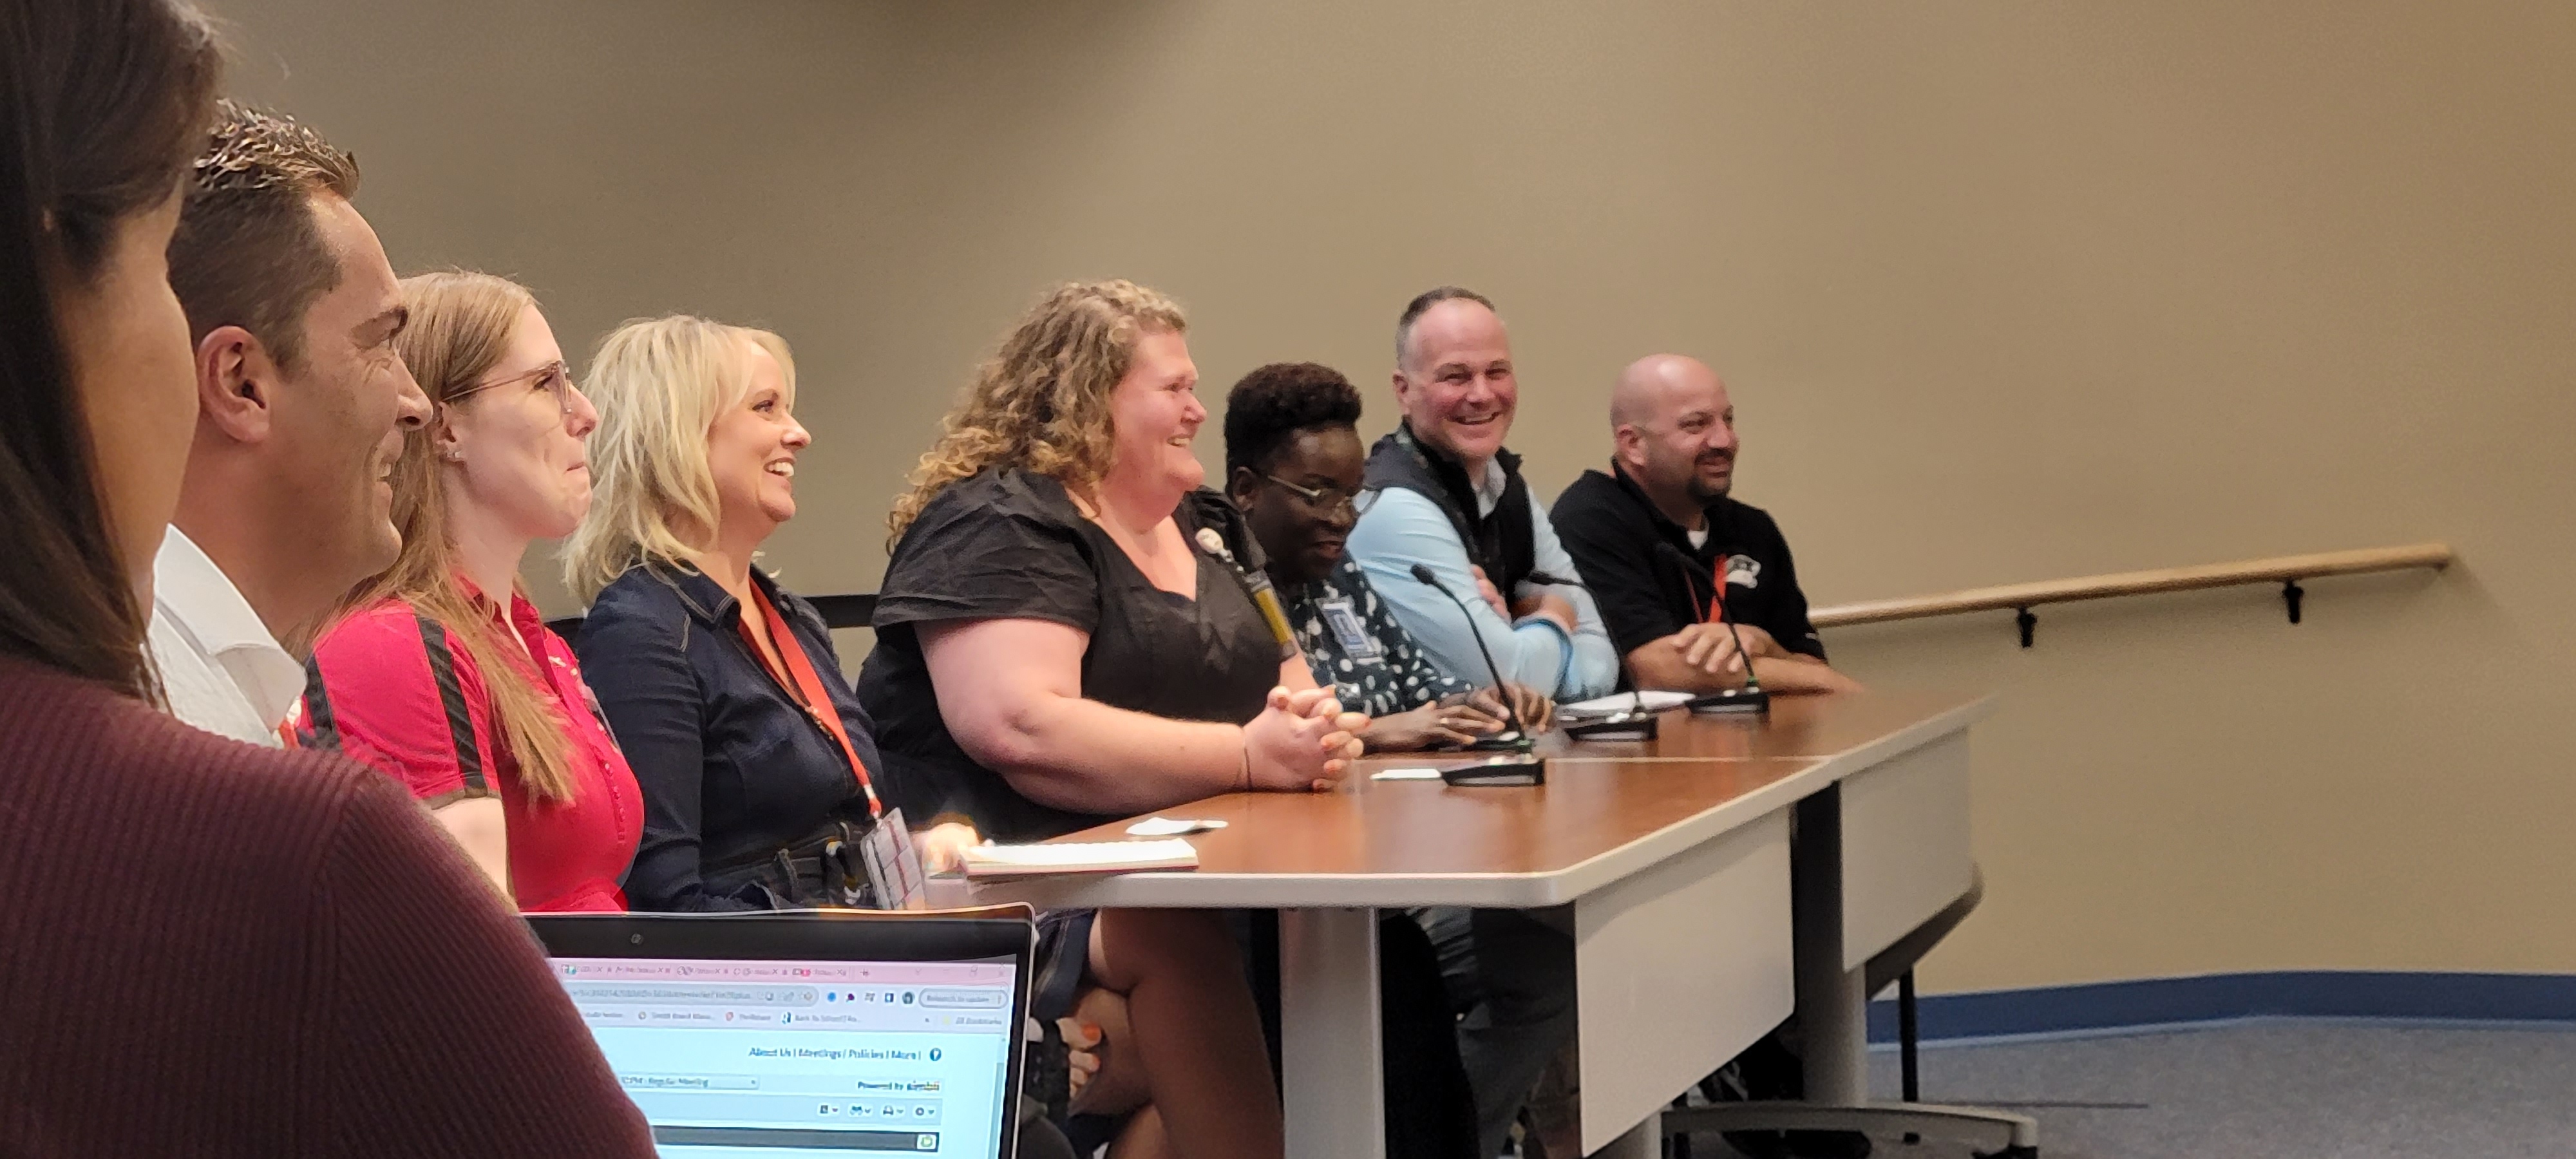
1442,493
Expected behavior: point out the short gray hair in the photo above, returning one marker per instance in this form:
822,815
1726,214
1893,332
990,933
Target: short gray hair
1422,304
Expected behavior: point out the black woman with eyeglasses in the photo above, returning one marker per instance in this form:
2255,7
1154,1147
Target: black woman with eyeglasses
439,672
1293,464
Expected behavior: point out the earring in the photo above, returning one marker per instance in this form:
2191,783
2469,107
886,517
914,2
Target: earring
452,455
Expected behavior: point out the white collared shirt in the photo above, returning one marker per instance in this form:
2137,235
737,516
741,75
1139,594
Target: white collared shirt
220,667
1489,488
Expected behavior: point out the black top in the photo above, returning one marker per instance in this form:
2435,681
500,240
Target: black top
1500,541
1008,544
731,766
1646,593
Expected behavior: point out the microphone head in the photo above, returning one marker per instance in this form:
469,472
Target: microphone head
1422,572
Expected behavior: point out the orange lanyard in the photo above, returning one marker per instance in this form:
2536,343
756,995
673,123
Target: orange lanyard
1717,593
808,684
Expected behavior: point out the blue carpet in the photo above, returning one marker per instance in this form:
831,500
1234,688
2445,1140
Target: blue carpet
2282,1089
2221,997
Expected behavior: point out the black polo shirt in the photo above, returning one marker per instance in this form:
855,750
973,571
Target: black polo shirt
1611,529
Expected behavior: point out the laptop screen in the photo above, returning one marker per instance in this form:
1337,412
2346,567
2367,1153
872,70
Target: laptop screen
806,1059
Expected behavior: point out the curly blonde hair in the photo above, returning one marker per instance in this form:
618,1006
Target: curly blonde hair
1041,402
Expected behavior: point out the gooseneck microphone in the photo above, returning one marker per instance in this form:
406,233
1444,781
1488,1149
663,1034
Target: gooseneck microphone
1257,585
1749,698
1520,766
1630,723
1423,572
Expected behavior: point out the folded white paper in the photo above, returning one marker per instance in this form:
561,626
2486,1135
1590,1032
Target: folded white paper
1080,857
1173,826
1622,702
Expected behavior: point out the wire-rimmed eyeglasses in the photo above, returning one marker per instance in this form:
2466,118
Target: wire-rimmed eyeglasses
554,376
1331,500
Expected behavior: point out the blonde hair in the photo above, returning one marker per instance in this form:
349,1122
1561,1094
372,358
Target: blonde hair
659,384
1041,402
461,326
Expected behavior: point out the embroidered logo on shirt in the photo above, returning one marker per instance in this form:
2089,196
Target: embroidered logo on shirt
1344,621
1743,571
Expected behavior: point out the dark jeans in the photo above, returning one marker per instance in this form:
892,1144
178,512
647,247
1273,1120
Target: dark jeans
1511,978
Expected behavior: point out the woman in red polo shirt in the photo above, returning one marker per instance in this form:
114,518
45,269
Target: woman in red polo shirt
440,672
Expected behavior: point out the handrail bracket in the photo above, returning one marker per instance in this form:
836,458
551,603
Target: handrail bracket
2027,622
2291,593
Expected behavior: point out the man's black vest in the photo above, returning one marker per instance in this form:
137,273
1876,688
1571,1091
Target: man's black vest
1500,543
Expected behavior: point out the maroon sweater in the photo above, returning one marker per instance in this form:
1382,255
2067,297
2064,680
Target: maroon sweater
210,949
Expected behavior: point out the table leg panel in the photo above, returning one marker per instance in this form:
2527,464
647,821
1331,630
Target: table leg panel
1677,969
1905,851
1329,1034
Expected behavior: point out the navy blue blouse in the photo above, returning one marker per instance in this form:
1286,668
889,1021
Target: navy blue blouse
731,767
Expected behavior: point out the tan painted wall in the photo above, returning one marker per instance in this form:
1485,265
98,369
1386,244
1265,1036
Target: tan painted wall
2006,291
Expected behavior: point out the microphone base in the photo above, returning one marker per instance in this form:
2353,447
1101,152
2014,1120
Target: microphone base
1508,741
1508,770
1733,700
1617,726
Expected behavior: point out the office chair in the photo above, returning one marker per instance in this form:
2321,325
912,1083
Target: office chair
850,611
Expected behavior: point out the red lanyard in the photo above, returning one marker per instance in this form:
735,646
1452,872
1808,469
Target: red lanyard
800,675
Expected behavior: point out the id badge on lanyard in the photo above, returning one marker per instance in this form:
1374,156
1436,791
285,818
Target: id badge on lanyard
893,864
1343,621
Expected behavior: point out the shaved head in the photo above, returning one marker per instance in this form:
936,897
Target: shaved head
1645,384
1675,430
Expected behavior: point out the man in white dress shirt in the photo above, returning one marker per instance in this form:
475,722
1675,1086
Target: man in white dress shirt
301,408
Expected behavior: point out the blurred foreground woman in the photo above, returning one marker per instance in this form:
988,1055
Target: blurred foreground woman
208,948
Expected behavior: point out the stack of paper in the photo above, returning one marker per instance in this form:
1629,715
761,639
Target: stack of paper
1080,857
1619,702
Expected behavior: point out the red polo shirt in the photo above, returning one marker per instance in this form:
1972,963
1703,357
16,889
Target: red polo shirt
388,686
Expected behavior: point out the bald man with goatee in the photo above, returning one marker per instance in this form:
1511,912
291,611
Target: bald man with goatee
1668,552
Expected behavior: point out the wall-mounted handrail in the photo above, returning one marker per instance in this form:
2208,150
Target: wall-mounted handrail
2286,570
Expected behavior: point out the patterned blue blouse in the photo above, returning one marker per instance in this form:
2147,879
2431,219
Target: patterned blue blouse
1353,643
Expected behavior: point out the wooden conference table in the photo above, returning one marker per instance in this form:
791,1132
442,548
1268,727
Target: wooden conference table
1671,859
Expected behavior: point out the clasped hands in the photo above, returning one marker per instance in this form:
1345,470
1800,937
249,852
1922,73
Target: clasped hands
1460,719
1301,740
1710,647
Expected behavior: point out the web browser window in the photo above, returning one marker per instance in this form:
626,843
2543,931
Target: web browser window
800,1060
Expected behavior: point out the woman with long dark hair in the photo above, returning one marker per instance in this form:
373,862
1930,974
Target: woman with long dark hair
207,948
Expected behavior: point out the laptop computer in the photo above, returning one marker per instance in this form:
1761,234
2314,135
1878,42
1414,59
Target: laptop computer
807,1035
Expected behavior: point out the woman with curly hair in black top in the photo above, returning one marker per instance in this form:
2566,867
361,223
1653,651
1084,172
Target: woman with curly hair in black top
1064,637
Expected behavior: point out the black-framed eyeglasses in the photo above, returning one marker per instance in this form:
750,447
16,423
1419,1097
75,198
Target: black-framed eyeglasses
1333,500
554,377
